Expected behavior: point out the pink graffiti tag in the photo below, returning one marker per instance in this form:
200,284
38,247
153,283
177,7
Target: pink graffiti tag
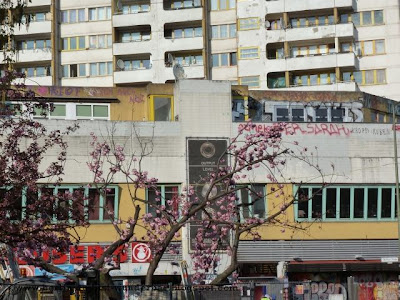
309,129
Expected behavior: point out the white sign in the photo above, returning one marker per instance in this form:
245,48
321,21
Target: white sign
389,260
141,253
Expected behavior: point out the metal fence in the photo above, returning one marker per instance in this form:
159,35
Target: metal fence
272,290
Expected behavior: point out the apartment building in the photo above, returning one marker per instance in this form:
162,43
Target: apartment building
335,45
351,224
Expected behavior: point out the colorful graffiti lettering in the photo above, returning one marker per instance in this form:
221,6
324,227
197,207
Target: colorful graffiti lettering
322,290
378,291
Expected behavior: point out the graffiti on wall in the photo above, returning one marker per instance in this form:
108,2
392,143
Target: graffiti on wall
270,110
323,290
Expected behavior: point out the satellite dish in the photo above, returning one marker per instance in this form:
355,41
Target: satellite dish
267,24
120,64
178,71
119,5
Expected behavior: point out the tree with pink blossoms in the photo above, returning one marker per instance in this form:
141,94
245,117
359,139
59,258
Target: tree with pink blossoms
217,211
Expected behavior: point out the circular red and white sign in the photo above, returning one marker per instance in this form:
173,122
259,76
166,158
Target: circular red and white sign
141,253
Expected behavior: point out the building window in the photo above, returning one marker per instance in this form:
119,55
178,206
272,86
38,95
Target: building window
161,108
364,18
92,111
312,21
127,37
249,53
252,201
222,4
73,16
181,4
312,50
226,31
313,79
38,71
101,68
350,203
162,195
74,70
366,77
137,64
188,59
100,13
224,59
33,44
186,32
249,24
135,8
74,43
100,41
35,17
366,48
250,81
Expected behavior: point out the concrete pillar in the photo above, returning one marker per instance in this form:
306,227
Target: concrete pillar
287,79
337,45
285,20
335,15
286,49
337,73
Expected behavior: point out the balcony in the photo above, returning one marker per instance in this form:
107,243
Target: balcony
33,28
321,61
33,55
310,33
131,19
295,5
134,76
183,44
181,15
191,72
36,3
133,47
339,86
44,80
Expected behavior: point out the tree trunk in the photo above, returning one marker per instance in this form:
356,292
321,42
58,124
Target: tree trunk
110,292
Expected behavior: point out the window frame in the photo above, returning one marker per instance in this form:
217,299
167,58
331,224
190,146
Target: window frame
250,86
92,117
162,187
250,198
151,111
107,13
229,54
240,53
218,5
351,218
253,24
363,76
68,39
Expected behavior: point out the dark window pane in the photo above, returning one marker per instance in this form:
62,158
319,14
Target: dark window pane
259,201
162,109
344,203
62,204
372,203
282,114
317,203
244,198
321,115
109,204
153,199
386,203
337,114
358,203
303,203
94,204
297,114
331,203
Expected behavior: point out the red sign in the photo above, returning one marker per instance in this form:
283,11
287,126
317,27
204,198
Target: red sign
83,254
141,253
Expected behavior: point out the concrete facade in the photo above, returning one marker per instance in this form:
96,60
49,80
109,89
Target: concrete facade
360,149
282,44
